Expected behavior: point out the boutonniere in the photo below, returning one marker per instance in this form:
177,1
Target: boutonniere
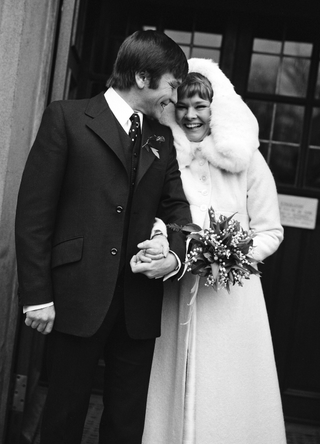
152,144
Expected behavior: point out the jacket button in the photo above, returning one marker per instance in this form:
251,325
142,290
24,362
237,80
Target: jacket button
113,251
119,209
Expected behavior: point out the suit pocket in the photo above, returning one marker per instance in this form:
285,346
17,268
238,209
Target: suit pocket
67,252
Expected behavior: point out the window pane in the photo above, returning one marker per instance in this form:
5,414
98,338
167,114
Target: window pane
186,50
298,49
294,77
284,163
288,123
315,128
263,73
263,113
270,46
206,53
264,150
312,178
282,68
204,39
179,36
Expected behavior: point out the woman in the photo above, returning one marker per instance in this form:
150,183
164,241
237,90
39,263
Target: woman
214,378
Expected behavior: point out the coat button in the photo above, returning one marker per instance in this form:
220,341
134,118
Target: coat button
119,209
113,251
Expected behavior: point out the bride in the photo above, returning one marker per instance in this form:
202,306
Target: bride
214,379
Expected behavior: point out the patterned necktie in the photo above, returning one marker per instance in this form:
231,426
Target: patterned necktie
135,131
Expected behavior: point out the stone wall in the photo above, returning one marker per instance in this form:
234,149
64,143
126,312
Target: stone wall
27,35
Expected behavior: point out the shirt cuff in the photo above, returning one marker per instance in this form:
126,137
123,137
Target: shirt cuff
36,307
158,225
175,271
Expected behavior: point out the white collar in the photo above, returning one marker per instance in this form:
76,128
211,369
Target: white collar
120,108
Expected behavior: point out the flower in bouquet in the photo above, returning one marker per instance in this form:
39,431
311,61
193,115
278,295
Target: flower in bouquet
220,253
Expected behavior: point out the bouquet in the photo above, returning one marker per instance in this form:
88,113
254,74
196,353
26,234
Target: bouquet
220,253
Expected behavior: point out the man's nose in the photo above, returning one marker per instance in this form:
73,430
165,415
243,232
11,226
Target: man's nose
174,96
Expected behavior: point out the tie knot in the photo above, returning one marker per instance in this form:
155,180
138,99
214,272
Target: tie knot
135,126
135,119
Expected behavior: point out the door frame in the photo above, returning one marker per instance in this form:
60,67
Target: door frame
28,348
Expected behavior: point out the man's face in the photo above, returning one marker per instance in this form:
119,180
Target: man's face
153,101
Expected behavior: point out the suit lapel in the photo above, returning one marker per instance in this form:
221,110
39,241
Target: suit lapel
105,125
146,157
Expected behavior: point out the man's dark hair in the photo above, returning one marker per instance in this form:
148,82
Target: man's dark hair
151,53
196,83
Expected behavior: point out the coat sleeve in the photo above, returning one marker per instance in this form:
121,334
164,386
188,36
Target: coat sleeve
174,207
263,208
37,204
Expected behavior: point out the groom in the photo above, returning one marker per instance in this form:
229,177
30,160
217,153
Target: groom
91,190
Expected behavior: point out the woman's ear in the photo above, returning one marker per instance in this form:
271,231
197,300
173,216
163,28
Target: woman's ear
142,79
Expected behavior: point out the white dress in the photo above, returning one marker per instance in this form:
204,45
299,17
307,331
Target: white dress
214,379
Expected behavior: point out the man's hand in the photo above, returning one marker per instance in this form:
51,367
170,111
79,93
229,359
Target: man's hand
42,319
153,269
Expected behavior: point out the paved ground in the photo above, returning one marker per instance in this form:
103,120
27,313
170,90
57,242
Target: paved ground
296,433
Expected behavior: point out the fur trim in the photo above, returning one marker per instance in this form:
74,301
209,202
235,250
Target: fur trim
234,128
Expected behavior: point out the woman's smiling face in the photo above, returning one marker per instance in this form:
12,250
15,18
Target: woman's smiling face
193,115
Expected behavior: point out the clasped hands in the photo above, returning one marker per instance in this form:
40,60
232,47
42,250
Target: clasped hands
154,258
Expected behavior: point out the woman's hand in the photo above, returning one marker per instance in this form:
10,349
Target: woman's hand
154,259
153,269
154,249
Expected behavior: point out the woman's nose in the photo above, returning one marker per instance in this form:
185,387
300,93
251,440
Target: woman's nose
190,114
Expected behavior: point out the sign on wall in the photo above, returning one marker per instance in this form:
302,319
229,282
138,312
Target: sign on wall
297,211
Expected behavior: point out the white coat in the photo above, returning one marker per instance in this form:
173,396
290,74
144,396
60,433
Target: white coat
214,379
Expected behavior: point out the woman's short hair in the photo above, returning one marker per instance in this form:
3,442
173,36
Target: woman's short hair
150,52
196,83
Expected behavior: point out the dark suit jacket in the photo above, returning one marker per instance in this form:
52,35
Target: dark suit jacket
71,213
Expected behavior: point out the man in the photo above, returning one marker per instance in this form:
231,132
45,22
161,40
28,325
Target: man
87,198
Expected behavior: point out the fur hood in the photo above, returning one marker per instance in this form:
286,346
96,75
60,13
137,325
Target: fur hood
234,128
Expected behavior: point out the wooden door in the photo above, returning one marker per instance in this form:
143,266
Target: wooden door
277,71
